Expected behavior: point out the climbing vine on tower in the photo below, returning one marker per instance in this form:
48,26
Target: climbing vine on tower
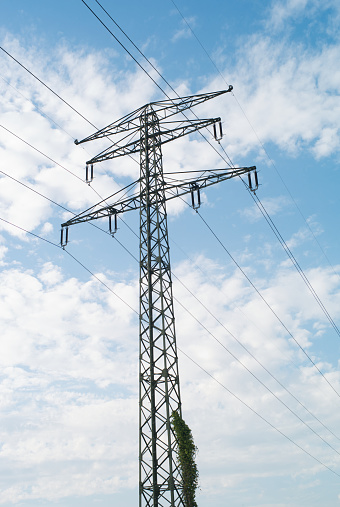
186,452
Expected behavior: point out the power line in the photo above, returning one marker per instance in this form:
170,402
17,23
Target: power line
266,303
256,413
54,93
73,257
257,136
46,86
251,373
255,359
41,153
291,256
37,108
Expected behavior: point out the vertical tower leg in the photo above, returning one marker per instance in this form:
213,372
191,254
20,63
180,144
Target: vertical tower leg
159,394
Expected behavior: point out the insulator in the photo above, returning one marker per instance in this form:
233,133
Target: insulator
64,237
113,229
89,173
194,204
221,132
252,187
218,136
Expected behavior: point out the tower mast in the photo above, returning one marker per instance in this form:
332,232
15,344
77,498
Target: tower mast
160,482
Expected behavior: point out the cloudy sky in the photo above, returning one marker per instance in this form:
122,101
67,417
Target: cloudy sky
256,280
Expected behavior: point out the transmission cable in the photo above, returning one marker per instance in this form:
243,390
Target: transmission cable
46,86
256,413
257,137
73,257
266,303
294,261
252,355
37,108
41,153
251,373
57,95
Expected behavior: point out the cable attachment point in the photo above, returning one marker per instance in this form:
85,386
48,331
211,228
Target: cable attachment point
253,182
195,189
63,236
218,133
89,173
113,227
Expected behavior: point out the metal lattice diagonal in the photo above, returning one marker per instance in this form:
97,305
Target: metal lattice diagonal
160,481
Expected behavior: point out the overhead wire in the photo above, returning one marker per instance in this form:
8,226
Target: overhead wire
56,94
199,366
251,355
250,372
256,135
256,413
295,262
265,213
37,108
266,303
39,151
48,87
73,257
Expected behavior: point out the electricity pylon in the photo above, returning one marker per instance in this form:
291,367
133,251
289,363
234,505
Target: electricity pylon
159,391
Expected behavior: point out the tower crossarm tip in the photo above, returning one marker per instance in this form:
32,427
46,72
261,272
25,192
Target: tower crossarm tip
207,178
170,107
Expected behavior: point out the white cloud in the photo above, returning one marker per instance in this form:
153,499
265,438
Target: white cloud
184,32
283,13
289,96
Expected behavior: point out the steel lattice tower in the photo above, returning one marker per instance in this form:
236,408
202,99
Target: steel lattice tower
159,391
159,382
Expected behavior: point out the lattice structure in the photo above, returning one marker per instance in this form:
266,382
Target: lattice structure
160,482
159,477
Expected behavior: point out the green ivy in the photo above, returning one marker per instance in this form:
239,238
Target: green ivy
186,452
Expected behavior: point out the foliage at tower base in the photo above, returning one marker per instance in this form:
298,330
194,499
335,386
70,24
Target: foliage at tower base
186,452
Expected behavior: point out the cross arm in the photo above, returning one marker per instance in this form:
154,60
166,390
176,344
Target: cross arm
172,189
166,135
165,109
207,178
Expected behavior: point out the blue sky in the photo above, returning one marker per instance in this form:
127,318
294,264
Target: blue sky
263,417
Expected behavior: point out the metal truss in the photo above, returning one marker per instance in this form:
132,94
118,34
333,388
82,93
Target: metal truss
159,391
